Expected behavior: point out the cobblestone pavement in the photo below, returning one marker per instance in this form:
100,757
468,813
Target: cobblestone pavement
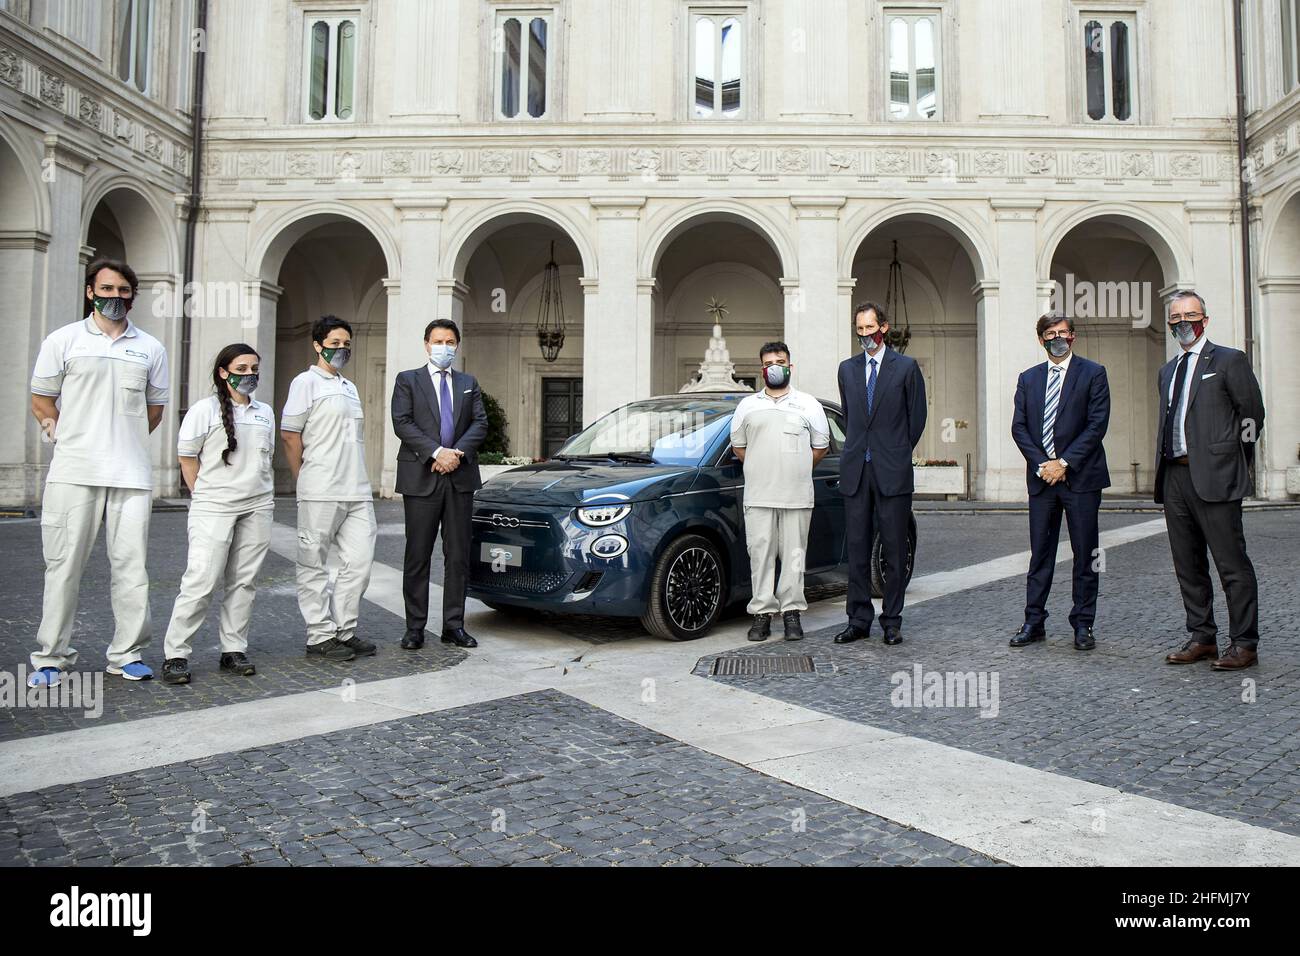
539,778
1117,716
566,782
276,635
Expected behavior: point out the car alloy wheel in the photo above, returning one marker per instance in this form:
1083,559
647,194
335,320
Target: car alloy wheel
693,589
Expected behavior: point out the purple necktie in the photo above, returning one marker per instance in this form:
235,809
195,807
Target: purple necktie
448,433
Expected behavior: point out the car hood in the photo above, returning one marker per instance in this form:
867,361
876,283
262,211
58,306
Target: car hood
567,483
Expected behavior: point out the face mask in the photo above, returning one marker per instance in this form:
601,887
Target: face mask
1058,347
337,358
243,384
442,355
777,376
872,341
1187,332
114,309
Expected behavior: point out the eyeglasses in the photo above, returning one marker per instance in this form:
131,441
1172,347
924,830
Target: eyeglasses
1048,336
1174,317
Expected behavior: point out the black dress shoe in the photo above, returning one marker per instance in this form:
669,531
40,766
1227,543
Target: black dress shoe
1028,635
850,634
761,629
413,640
893,636
1083,639
793,626
458,637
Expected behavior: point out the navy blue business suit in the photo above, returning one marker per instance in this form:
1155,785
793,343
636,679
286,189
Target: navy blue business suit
1082,416
878,493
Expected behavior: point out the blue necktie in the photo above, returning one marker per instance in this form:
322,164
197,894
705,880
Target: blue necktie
448,432
871,393
1049,412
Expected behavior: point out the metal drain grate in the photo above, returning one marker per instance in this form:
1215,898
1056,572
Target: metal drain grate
751,665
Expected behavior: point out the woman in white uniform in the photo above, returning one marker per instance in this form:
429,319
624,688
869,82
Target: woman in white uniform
225,447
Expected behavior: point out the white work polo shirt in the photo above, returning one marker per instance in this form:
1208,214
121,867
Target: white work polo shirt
778,436
244,485
326,409
103,386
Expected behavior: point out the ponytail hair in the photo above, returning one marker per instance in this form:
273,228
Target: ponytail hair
224,358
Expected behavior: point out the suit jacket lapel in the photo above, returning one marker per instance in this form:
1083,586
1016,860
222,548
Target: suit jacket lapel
1037,409
1071,375
859,374
424,384
1203,366
882,371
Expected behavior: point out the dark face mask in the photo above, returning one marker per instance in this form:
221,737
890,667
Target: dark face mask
1058,347
872,341
114,309
1187,332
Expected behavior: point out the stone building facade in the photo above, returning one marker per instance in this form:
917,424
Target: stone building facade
390,161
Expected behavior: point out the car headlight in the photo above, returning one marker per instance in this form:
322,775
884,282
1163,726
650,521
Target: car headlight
597,516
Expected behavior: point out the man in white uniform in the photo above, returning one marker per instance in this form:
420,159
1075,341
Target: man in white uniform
98,389
780,434
324,441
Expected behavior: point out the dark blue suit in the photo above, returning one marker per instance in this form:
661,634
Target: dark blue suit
1083,413
878,493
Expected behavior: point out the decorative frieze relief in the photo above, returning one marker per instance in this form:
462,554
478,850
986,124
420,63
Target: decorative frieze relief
93,107
946,163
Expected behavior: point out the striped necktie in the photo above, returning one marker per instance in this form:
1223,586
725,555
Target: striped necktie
1049,412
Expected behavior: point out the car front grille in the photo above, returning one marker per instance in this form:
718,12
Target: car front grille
517,580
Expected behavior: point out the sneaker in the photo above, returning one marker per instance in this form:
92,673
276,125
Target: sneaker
331,650
136,670
238,663
359,647
761,628
45,677
176,670
793,626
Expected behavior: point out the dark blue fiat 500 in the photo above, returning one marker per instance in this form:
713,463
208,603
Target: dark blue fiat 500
640,515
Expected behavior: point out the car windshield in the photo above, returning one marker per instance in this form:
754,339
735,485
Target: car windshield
665,433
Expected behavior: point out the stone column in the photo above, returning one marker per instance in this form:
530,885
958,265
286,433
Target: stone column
1279,341
813,330
65,171
1007,310
409,304
23,257
1216,257
617,338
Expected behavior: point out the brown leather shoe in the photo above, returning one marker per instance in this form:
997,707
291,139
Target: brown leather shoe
1235,658
1193,652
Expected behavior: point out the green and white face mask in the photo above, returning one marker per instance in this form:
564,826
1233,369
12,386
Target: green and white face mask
243,384
337,358
114,309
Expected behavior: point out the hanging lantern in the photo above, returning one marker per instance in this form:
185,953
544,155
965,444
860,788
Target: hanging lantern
900,330
550,313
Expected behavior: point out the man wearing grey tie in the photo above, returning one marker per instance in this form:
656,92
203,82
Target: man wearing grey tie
1062,411
439,416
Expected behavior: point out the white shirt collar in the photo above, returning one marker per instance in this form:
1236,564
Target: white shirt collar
93,328
1063,366
1200,344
